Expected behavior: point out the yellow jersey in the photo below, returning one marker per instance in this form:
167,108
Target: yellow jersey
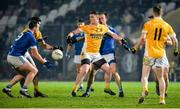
93,37
157,32
37,34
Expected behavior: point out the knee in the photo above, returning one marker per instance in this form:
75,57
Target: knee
34,70
84,71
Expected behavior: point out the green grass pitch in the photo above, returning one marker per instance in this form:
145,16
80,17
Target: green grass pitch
60,97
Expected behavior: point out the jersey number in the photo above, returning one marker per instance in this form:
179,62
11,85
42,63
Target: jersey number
19,36
156,32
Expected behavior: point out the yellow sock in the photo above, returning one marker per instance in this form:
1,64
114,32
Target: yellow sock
162,98
107,86
75,88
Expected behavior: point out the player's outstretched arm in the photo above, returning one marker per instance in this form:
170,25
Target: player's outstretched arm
140,41
35,53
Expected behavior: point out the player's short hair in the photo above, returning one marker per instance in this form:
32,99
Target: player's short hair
80,20
157,10
32,24
93,12
35,19
104,13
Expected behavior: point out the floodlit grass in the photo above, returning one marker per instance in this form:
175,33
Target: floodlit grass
60,97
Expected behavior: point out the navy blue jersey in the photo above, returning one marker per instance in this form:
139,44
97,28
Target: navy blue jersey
78,45
22,43
107,45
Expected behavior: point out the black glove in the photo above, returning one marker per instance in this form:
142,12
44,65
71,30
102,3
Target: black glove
133,50
43,38
176,52
124,42
125,45
71,40
49,65
58,47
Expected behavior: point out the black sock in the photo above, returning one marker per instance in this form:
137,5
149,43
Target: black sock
24,87
88,90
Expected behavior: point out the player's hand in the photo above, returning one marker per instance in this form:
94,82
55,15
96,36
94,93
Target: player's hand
176,52
49,65
45,37
58,47
133,50
125,45
68,55
71,40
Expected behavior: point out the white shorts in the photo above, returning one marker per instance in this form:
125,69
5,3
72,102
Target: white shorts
29,58
93,57
16,61
110,58
156,62
77,59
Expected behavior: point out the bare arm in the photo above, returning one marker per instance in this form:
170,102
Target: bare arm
35,53
169,41
76,31
140,41
115,36
175,42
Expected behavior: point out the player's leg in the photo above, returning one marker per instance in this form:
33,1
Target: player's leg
32,71
7,89
159,72
78,72
144,80
37,93
92,73
107,84
117,77
110,58
102,63
166,78
84,69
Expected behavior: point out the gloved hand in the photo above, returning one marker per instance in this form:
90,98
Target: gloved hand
133,50
71,40
43,38
68,55
125,44
58,47
49,65
176,52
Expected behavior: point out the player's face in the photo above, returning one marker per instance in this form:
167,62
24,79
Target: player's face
102,19
93,19
38,26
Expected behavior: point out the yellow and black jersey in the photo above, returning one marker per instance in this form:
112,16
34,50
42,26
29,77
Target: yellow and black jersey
157,32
